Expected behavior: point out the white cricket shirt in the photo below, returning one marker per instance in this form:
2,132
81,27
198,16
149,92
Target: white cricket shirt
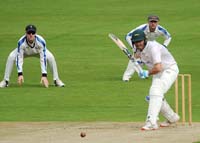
37,48
151,36
154,53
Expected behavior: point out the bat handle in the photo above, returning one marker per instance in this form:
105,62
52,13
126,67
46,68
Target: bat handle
138,67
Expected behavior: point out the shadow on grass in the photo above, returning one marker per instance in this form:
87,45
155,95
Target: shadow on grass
28,85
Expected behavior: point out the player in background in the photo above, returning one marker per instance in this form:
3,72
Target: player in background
31,45
163,67
152,31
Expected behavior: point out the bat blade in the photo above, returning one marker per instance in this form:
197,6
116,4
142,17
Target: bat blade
121,45
117,41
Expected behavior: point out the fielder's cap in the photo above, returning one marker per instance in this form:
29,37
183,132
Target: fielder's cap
30,28
137,35
153,18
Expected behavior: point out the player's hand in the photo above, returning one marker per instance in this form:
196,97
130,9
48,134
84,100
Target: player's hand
20,80
44,81
144,74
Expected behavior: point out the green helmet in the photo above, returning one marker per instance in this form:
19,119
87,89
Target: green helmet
137,35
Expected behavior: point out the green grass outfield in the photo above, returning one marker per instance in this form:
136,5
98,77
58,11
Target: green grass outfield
88,61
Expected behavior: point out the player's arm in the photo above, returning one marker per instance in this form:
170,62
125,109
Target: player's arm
43,64
129,36
157,65
156,69
167,41
166,35
128,39
19,63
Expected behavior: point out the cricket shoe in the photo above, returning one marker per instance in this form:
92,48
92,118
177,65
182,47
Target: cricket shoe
168,123
3,83
147,98
59,83
149,126
126,79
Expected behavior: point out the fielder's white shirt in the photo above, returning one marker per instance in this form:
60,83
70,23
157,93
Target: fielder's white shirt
151,36
36,48
154,53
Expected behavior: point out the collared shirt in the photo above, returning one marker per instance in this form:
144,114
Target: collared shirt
151,36
154,53
38,47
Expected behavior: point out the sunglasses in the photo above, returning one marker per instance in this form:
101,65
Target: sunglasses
31,32
153,21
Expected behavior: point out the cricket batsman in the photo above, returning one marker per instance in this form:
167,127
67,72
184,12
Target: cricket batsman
152,31
31,45
163,67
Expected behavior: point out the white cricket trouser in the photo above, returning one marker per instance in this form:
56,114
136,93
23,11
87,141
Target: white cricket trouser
130,70
161,83
12,59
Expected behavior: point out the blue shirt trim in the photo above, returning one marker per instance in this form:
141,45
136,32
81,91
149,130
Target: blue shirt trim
20,42
41,41
143,28
44,50
45,57
163,30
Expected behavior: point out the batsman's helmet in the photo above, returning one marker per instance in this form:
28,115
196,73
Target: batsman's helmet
138,35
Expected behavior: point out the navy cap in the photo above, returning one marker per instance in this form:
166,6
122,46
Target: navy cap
30,28
153,18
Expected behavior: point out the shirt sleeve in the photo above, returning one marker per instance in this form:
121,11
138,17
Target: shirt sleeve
167,41
166,35
20,58
43,54
128,39
43,60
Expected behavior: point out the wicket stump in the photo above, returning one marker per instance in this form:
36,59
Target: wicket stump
188,80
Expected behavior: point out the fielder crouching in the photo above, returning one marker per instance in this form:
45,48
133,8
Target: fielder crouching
31,45
163,67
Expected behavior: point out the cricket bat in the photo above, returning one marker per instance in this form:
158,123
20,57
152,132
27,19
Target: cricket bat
121,45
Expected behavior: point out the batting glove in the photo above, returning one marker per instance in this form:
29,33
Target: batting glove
144,74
